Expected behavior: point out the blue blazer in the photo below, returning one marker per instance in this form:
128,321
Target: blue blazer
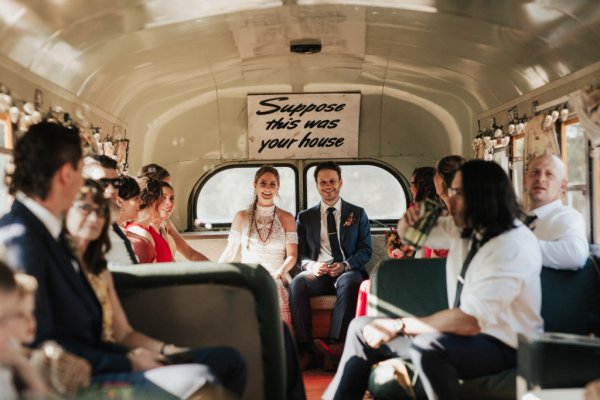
67,309
355,236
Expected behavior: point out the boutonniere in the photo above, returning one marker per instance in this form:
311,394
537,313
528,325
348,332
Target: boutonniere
350,220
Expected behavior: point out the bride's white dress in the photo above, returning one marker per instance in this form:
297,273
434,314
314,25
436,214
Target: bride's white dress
266,246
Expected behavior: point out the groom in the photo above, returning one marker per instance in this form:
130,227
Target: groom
334,246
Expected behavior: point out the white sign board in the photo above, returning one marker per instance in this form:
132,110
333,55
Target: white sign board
298,126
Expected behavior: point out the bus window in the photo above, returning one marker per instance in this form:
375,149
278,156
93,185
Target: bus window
369,186
574,145
5,199
229,190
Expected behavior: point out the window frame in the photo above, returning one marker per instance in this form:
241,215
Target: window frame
587,188
192,214
379,223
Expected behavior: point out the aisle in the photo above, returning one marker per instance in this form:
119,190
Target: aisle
315,383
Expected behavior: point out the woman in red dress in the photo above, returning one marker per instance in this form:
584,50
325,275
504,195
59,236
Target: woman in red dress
157,203
128,201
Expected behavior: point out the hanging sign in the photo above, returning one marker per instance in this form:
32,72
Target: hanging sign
298,126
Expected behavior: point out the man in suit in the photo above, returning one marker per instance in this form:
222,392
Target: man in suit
46,178
334,245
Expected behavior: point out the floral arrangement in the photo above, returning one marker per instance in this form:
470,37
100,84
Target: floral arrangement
350,220
395,247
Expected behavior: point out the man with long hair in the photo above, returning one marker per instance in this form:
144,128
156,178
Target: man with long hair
493,281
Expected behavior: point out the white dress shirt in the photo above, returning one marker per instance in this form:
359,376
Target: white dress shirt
502,288
562,236
7,387
118,254
46,217
325,254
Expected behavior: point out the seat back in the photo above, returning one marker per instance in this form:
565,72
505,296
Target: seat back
414,287
205,304
569,297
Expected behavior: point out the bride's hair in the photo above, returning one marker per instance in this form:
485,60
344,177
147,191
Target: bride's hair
252,210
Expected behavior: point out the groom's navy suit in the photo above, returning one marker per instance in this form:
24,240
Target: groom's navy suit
355,241
66,308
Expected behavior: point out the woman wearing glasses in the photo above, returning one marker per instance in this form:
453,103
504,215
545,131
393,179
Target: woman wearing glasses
88,221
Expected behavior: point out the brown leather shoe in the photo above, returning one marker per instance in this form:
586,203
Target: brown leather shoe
332,350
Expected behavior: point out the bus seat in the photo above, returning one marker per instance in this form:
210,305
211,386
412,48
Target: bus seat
322,308
209,304
417,287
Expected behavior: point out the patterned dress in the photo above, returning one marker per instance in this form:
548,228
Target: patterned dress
266,246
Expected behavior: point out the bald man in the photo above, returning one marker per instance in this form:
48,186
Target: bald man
560,230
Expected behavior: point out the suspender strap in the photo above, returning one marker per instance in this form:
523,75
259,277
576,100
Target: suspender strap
475,245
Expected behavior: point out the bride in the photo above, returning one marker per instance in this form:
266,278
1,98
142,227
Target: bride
267,235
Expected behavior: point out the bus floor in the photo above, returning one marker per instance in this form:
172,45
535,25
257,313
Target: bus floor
315,382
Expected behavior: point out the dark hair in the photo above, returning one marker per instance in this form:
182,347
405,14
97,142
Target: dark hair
39,154
7,278
129,188
105,161
94,254
252,210
447,167
423,181
151,191
328,165
153,171
490,202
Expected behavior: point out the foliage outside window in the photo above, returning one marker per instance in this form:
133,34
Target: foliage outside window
368,186
5,199
232,189
575,149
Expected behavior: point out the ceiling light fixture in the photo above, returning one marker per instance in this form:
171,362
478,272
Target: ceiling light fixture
305,46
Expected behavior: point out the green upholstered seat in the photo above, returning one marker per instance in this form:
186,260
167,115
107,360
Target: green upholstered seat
418,288
206,304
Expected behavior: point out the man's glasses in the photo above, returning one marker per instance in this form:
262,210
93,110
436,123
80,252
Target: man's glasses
455,191
114,182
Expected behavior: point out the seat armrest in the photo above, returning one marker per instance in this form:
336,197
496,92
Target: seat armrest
556,360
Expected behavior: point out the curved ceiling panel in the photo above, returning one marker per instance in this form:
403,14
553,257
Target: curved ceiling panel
148,62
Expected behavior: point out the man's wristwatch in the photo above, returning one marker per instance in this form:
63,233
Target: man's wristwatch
399,327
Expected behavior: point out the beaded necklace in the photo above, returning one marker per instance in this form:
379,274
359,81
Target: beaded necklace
265,240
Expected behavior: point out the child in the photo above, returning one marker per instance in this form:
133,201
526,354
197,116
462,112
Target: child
12,358
25,328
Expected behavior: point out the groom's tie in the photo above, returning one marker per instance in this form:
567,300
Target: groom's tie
334,242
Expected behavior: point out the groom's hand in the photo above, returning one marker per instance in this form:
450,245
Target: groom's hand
320,269
335,269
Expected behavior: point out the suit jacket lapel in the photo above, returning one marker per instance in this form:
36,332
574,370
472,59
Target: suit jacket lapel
343,217
315,226
61,260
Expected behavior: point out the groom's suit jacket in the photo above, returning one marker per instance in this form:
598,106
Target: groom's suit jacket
67,309
354,235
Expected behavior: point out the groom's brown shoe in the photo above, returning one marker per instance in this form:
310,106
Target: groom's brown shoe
330,350
332,353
